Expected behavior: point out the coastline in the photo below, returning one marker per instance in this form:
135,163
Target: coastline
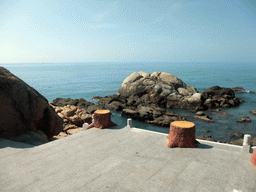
83,80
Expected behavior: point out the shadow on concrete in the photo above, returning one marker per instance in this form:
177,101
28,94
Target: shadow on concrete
204,146
4,143
115,127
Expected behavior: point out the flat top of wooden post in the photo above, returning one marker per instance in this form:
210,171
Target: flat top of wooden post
183,124
102,111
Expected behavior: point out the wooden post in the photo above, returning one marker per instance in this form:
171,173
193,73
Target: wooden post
253,159
102,119
182,134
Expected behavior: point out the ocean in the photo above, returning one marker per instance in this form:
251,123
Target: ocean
85,80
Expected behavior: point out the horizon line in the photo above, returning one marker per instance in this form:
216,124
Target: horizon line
132,62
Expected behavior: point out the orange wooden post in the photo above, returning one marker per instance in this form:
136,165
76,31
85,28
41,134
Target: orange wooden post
253,159
102,119
182,134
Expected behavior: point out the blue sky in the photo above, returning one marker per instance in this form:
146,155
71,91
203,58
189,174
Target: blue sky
40,31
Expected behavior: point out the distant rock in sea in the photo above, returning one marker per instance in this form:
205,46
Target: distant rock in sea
215,97
241,89
253,112
238,89
202,117
244,120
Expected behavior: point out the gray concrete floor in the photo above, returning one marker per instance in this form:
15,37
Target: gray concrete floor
122,159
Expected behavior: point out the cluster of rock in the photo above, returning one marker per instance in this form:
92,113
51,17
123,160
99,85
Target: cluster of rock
145,97
153,115
74,118
242,90
253,112
74,112
240,142
216,97
244,120
233,136
79,103
200,115
23,110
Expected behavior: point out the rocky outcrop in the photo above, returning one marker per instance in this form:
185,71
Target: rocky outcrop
238,89
142,90
253,141
23,109
216,96
167,91
244,120
74,117
75,113
237,142
153,115
240,142
219,112
200,115
159,88
242,90
80,103
253,112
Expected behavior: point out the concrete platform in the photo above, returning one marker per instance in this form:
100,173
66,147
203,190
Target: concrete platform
122,159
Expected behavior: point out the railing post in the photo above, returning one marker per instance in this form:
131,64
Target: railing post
85,125
129,123
246,143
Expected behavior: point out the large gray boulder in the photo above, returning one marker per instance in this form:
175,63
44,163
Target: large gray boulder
158,84
171,80
23,109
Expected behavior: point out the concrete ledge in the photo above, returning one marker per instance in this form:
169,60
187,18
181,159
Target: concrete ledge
224,146
221,145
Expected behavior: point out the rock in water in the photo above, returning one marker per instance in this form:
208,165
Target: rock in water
23,109
216,96
238,89
253,112
244,120
204,118
159,88
139,83
237,142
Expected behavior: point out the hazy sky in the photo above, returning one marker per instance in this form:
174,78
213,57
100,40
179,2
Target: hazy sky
127,30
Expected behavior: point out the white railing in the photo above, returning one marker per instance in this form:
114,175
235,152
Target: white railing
246,148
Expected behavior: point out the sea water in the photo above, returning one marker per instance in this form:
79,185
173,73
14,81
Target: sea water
85,80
